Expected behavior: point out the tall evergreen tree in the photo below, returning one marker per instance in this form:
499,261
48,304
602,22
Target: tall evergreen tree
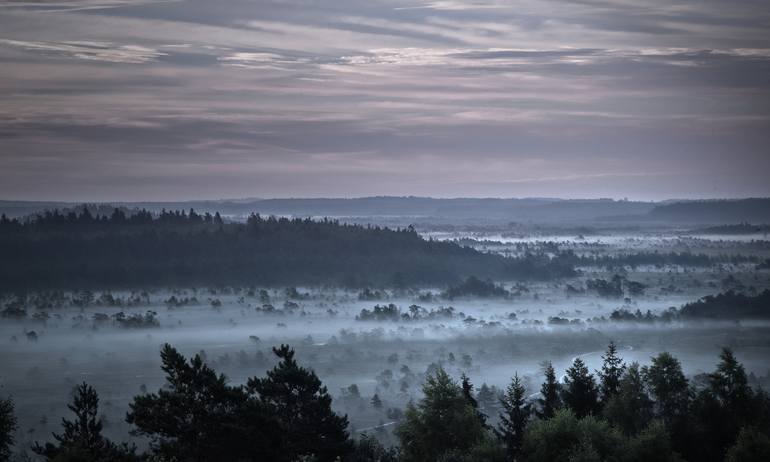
442,423
550,394
611,373
729,382
514,418
297,398
580,392
467,388
630,409
669,387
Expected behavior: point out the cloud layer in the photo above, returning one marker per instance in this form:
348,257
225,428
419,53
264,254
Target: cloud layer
137,100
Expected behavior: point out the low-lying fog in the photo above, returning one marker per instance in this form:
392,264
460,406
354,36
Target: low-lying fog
488,339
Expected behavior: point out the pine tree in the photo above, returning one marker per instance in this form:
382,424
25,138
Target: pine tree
514,418
580,392
82,438
550,400
297,398
197,416
611,373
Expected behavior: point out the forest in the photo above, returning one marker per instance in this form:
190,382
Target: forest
622,412
64,250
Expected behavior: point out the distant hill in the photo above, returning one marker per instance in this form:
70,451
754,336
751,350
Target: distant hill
527,210
458,209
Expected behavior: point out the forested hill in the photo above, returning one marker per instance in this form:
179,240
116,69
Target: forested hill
73,250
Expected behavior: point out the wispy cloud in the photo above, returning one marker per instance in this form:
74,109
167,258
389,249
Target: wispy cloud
92,51
388,96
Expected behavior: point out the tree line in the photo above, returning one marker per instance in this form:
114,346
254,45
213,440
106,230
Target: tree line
84,251
622,412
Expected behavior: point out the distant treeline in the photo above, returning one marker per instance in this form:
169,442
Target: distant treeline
82,250
658,259
729,305
752,210
621,413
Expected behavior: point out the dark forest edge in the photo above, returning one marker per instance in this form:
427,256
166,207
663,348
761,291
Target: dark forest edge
66,251
623,412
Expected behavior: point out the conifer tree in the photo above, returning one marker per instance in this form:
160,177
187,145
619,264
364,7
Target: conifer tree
514,418
580,392
301,403
550,399
611,373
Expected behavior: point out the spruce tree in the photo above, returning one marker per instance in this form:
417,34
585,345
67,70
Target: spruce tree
580,392
611,373
550,400
514,418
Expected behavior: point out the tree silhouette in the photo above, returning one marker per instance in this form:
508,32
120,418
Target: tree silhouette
199,417
612,370
442,422
550,394
514,418
630,409
579,392
669,387
82,437
296,397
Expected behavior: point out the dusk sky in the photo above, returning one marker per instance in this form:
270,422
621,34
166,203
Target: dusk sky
106,100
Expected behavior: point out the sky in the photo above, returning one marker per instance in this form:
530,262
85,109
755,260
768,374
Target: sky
104,100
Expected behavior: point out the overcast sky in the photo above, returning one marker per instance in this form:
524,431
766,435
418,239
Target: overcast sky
143,100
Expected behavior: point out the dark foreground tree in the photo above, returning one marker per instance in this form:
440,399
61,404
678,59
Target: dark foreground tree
630,409
442,423
8,427
612,370
514,418
296,397
82,438
579,392
549,401
565,437
669,387
199,417
752,446
467,387
719,412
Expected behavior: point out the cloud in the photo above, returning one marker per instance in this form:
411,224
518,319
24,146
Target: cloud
92,51
296,97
